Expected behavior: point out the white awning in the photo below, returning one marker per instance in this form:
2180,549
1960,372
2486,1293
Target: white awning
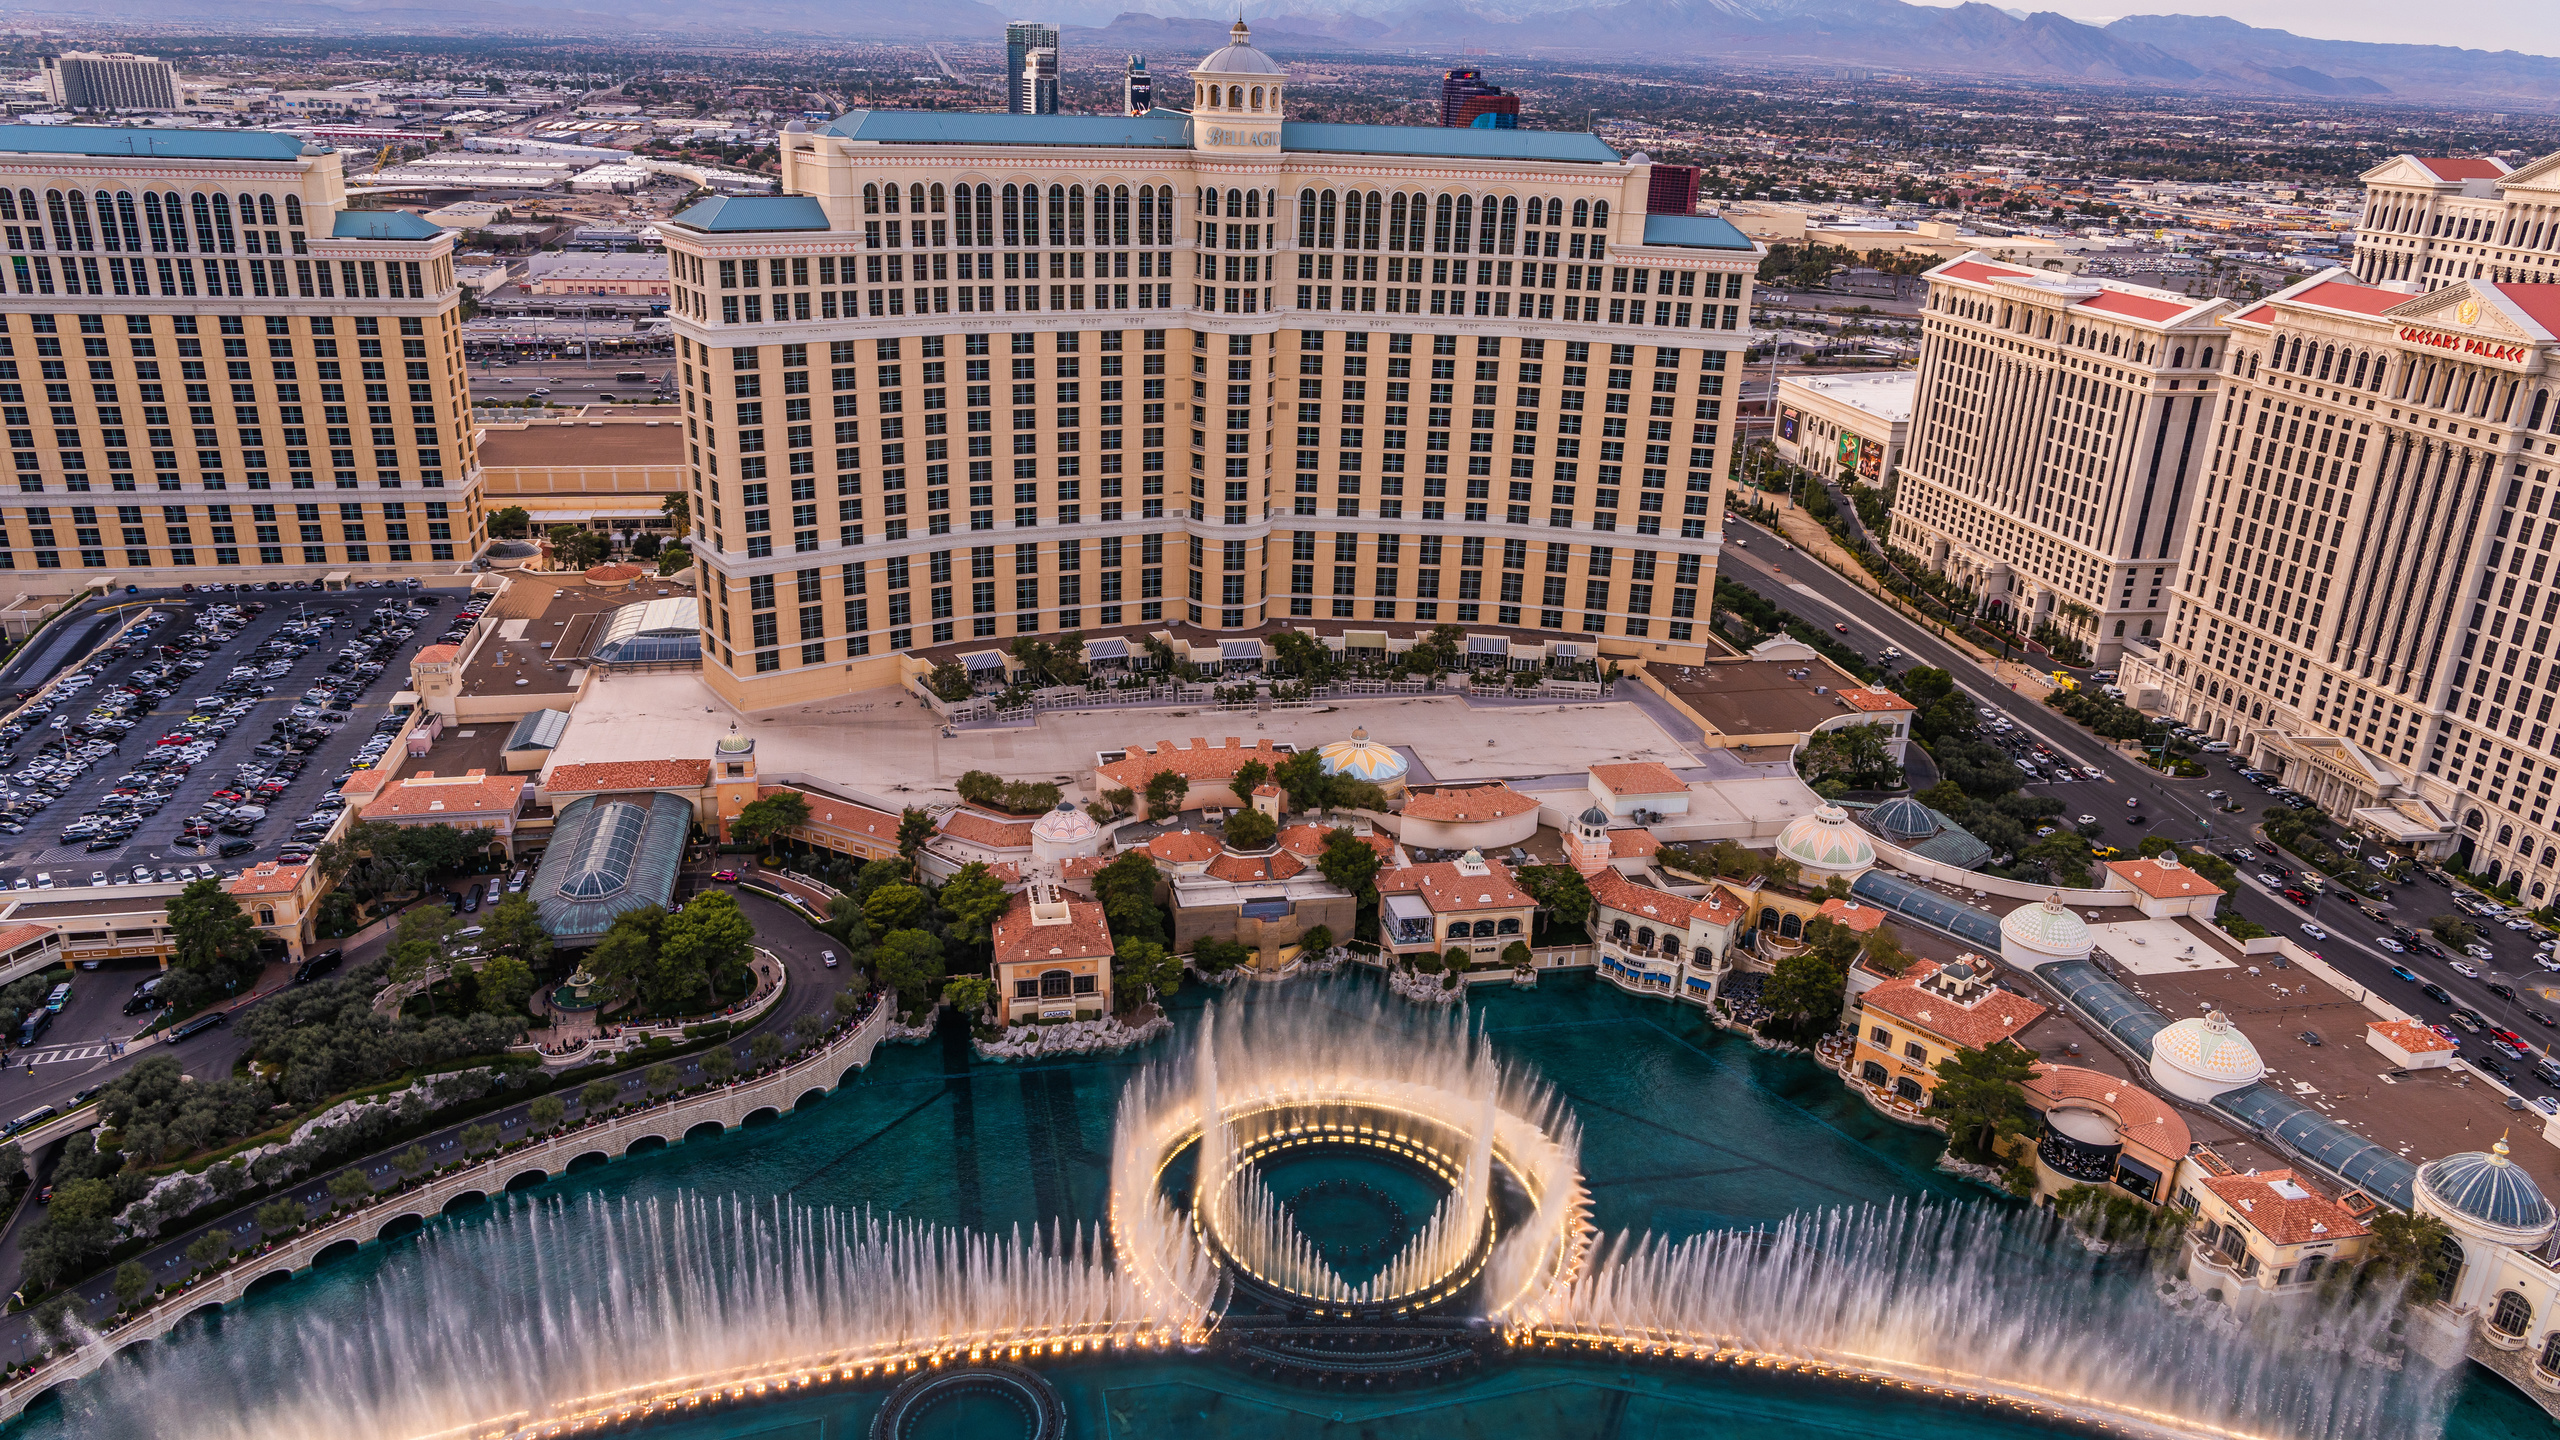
1239,649
1106,650
1488,645
983,660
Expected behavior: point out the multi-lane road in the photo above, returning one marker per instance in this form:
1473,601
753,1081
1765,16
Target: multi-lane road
2178,809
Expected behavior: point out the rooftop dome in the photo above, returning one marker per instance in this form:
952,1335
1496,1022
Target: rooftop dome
2199,1058
2490,1189
1593,816
1825,841
2046,930
1903,819
1065,825
1362,758
1238,57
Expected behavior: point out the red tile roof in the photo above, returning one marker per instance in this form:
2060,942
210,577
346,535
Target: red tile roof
2343,295
1644,777
1243,869
2163,881
1208,767
1632,844
1183,847
2540,303
1860,697
2138,307
2257,314
2143,1120
2284,1207
437,655
365,782
841,815
1446,890
269,878
1085,935
1976,270
2460,167
1613,891
1861,918
2409,1035
630,775
1994,1015
1720,907
1479,802
1084,867
428,796
987,830
17,935
1308,839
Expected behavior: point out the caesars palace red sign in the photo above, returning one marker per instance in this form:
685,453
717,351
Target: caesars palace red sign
2463,343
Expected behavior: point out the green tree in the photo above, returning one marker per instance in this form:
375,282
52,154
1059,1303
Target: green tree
968,994
1251,830
895,907
1165,791
679,513
1138,966
478,1137
349,1186
410,1162
425,932
765,1048
596,1095
2212,868
973,901
277,1216
719,1063
2405,1248
506,983
2454,930
1127,889
132,1282
510,523
661,1076
759,821
77,1228
1519,956
211,936
1351,863
1804,990
1316,940
1980,1098
1849,757
1302,775
1247,778
909,962
546,1113
208,1249
914,828
514,927
713,939
1563,896
575,547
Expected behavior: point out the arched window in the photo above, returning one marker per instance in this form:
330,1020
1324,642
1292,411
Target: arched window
2550,1359
1510,220
1324,219
871,199
2448,1265
1075,217
915,198
1257,97
266,915
1119,214
1618,930
1466,224
1506,927
1555,211
1441,210
266,209
1058,216
1790,927
1235,97
1395,221
1253,204
1056,982
1874,1074
129,219
293,211
1599,214
79,225
1644,937
1581,214
1484,930
2512,1315
1012,216
889,198
1368,221
1147,216
150,216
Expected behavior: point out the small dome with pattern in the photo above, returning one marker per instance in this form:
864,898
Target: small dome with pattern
1239,57
2046,930
2486,1189
1826,843
1362,758
1065,825
2199,1058
1903,820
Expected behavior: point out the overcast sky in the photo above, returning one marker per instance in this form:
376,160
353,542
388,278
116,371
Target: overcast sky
2469,24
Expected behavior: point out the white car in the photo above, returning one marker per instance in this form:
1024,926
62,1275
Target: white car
2267,880
2314,931
2086,820
2394,946
827,958
2467,972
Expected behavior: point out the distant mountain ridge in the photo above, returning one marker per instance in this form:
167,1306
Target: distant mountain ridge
2201,53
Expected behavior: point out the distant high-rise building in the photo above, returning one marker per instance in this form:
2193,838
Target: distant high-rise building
79,80
1020,39
1137,88
1464,96
1039,83
1673,191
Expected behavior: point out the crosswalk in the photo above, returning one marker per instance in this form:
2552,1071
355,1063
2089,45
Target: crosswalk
72,1052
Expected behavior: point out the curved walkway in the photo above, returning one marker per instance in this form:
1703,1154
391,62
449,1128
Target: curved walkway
525,1162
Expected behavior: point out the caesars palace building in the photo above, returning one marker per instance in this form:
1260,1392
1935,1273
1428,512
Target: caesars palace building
972,377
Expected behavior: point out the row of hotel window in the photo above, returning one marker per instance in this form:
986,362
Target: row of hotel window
936,300
89,536
265,279
121,222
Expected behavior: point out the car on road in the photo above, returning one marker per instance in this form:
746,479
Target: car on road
2043,831
2217,794
2467,972
2298,897
725,877
196,1026
2314,931
2488,1065
2502,990
2245,855
2133,802
2436,992
2502,1033
2268,880
2480,952
1842,627
1892,653
827,958
2086,820
2547,960
2394,946
2403,971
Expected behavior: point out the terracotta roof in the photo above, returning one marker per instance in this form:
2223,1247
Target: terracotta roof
2143,1120
1242,869
365,782
2284,1207
1208,767
437,655
2460,167
2540,303
1085,936
2163,882
2137,307
1976,270
1183,847
1267,788
616,574
983,829
1084,867
1860,697
270,878
1446,890
1308,839
2341,295
2410,1036
1613,891
1479,802
841,815
1632,844
1720,907
1994,1015
1645,777
630,775
2257,313
1861,918
17,935
428,795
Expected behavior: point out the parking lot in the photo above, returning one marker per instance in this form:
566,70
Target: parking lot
229,724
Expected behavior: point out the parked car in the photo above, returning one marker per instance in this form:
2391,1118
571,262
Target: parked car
2436,992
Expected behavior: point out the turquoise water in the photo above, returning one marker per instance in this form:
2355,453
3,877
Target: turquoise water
1686,1129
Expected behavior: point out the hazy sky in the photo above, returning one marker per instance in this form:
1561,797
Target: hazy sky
2469,24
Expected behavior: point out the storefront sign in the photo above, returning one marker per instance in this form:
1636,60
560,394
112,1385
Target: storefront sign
2464,344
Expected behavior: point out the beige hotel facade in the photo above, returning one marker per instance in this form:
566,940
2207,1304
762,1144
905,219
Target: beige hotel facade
210,369
978,376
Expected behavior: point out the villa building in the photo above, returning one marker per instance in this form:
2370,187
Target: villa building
1217,369
476,800
1930,1012
1469,904
2268,1234
1052,957
147,260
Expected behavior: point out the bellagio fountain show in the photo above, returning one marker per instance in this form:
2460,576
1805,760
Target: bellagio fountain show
1309,1209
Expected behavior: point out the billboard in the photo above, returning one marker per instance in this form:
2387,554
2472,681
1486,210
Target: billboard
1787,423
1871,461
1848,456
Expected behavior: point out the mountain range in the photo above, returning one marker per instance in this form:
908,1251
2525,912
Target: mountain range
2198,53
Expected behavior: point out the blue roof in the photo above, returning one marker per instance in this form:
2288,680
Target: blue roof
1702,232
1157,129
1948,917
742,214
382,225
2294,1126
1431,140
156,144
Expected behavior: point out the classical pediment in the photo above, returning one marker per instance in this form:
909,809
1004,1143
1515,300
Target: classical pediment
2471,310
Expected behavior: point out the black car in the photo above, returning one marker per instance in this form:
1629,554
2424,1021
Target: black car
236,847
317,966
2436,992
2488,1065
2502,990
